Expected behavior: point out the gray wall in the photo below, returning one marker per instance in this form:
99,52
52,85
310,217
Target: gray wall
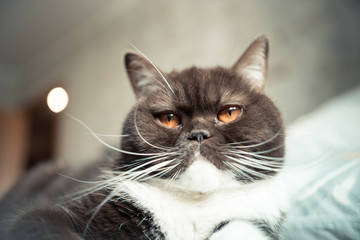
314,55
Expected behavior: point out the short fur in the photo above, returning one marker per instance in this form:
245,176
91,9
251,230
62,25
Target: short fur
203,179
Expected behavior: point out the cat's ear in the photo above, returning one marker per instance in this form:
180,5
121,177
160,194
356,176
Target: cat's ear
252,65
144,76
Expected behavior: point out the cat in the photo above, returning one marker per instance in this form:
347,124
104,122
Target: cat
200,159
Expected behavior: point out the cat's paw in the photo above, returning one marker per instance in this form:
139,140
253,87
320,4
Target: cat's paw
238,230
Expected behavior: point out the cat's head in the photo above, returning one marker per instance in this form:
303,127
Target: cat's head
201,128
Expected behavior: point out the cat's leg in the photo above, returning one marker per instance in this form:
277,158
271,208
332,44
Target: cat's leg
236,230
43,224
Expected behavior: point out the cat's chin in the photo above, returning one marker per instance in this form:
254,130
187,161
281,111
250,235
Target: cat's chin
201,177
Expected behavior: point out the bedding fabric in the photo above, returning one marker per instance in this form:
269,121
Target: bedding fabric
323,172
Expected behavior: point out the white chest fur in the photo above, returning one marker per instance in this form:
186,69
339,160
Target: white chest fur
187,215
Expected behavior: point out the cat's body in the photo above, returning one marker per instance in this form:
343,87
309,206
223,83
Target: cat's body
189,216
199,161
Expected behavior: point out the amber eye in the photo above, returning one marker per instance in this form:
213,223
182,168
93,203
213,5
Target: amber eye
229,114
169,119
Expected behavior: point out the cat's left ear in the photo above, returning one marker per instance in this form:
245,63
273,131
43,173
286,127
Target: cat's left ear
252,65
144,76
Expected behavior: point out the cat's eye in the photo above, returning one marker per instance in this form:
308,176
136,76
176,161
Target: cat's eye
229,114
169,119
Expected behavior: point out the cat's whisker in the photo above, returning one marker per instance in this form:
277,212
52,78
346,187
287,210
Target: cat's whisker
142,138
106,144
79,180
115,191
140,175
144,164
236,149
257,144
133,175
260,157
156,68
255,173
162,172
258,161
280,162
97,209
99,185
174,177
246,169
258,164
160,155
82,193
233,169
238,170
237,143
162,88
111,135
141,161
290,166
162,168
256,156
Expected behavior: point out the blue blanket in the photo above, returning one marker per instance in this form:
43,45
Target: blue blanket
323,172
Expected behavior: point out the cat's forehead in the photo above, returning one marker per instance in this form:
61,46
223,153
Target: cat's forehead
209,85
203,89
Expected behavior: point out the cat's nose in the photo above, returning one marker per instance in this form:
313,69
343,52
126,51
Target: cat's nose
199,135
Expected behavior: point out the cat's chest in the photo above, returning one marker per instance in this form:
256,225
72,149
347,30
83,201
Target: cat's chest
182,217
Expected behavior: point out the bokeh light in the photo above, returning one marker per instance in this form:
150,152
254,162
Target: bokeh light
57,99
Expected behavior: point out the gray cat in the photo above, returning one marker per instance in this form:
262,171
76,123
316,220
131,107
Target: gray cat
199,160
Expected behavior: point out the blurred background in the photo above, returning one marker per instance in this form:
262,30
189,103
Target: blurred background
79,46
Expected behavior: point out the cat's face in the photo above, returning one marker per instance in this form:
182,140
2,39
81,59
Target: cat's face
203,124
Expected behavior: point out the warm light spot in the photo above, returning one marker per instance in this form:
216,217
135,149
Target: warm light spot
57,99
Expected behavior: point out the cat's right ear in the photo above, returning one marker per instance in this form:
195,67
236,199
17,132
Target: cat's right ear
144,76
252,65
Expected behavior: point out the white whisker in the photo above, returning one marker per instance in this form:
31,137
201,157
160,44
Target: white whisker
150,170
173,178
162,173
111,135
239,170
144,164
260,158
162,87
258,153
257,144
82,193
106,144
136,162
246,169
97,209
166,81
138,132
257,164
